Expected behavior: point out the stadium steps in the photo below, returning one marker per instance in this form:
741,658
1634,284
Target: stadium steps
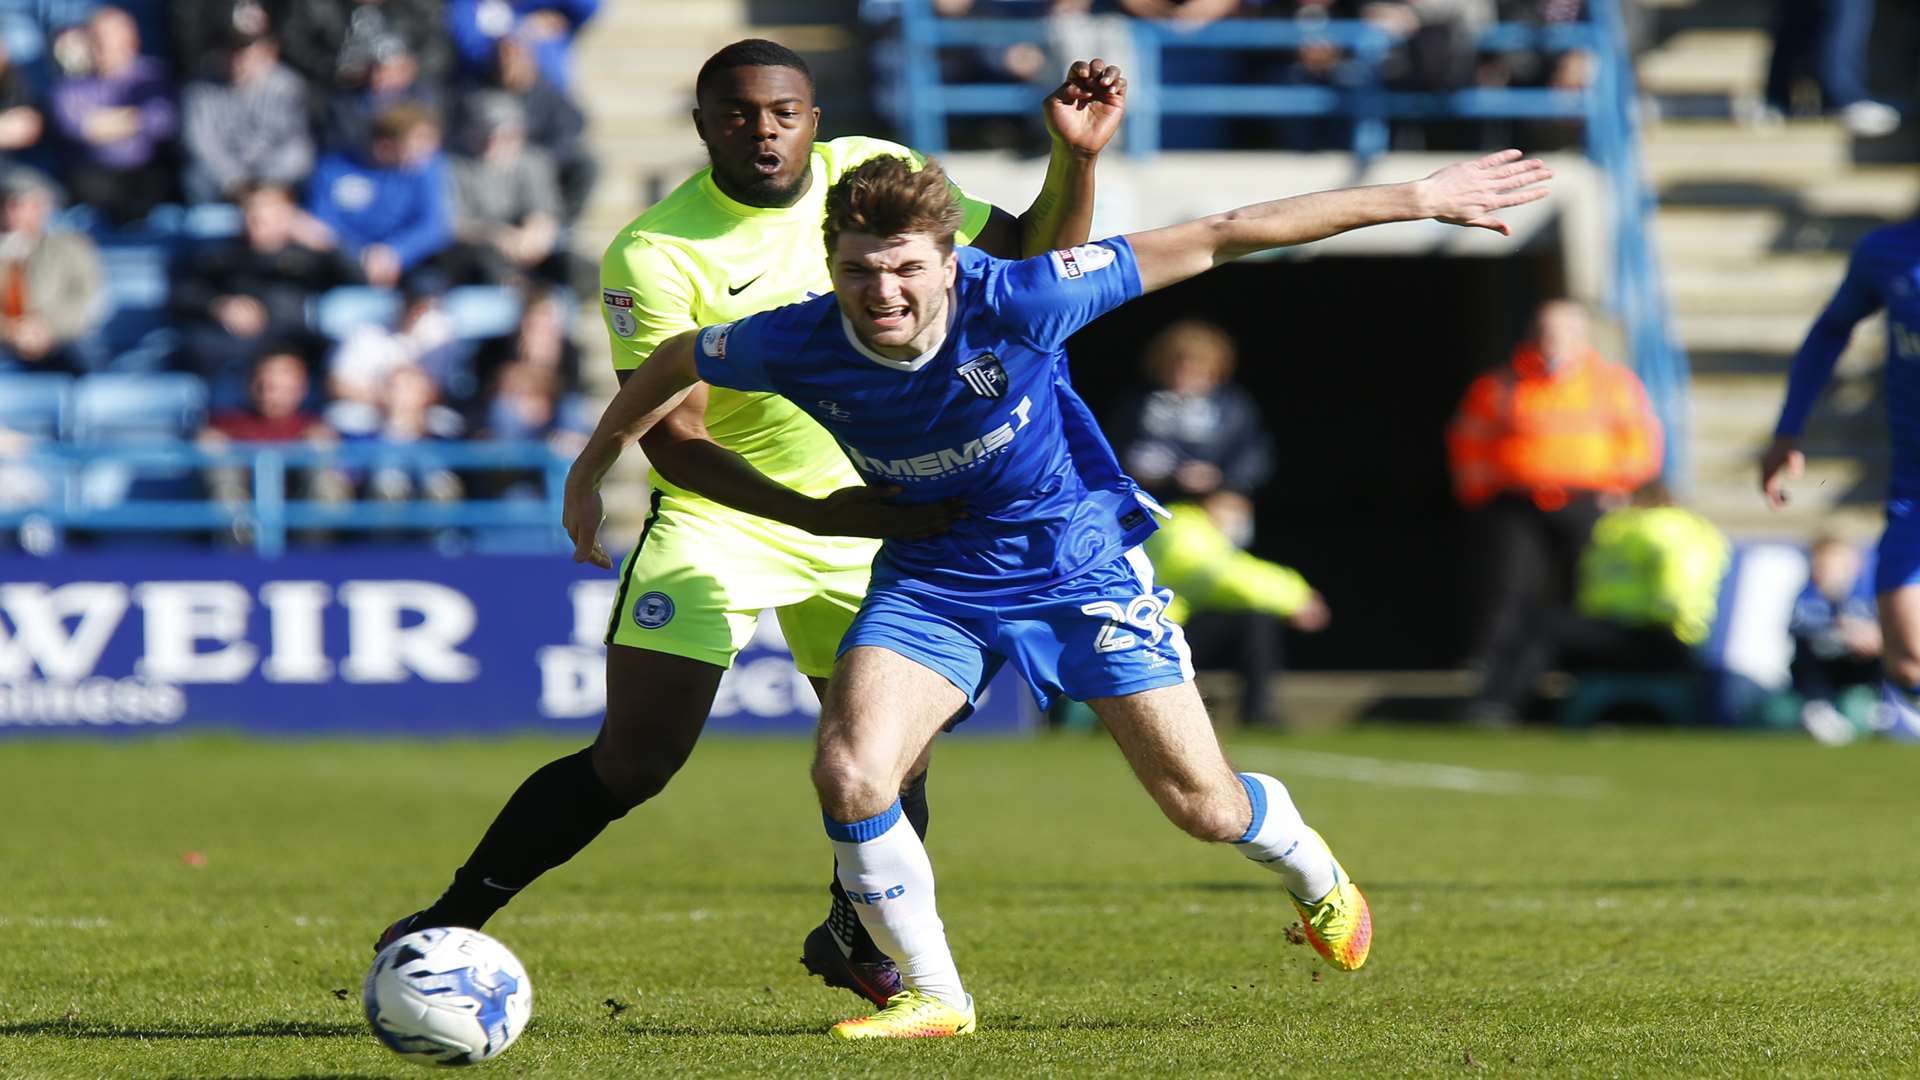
1755,226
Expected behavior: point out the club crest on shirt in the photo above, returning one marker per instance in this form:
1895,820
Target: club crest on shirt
1081,261
653,611
984,375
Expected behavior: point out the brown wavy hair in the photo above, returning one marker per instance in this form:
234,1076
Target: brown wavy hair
887,196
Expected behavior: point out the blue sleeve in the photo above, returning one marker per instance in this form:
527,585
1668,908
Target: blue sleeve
474,46
730,354
1046,298
320,198
1813,364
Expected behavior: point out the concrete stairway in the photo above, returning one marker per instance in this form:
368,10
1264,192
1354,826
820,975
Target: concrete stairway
1755,227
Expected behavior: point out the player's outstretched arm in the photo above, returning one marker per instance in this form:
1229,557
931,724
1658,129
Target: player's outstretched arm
649,394
1468,194
1082,115
1812,366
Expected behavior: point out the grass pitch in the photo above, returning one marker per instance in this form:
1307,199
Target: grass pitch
1659,904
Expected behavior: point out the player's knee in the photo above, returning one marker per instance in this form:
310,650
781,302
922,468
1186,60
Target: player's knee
849,790
632,778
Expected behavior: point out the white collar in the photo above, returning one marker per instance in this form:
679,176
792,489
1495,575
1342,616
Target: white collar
915,364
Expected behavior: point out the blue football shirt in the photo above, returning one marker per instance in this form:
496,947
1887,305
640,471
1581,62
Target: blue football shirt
1884,273
989,417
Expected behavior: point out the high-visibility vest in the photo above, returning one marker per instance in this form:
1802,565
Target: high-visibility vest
1547,434
1654,566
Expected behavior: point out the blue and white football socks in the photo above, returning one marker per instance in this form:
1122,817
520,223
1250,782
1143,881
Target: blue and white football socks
885,871
1280,841
1900,711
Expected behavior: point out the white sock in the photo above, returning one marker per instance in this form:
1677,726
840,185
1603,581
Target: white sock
885,872
1279,840
1900,711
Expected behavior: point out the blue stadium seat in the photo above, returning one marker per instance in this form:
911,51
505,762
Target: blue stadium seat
135,329
34,403
212,221
338,312
136,409
482,311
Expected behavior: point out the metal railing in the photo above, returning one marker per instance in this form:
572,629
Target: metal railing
1607,108
271,513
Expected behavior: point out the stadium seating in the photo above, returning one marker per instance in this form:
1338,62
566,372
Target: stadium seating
35,404
123,410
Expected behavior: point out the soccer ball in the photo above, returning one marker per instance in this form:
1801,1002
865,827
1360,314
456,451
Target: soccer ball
447,996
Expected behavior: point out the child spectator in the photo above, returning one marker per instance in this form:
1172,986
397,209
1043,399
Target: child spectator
274,413
117,119
250,128
1836,643
49,281
411,414
387,208
422,337
539,342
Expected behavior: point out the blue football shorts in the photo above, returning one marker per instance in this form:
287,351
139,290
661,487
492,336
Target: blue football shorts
1101,633
1898,563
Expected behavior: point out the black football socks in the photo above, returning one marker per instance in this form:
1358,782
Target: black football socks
554,814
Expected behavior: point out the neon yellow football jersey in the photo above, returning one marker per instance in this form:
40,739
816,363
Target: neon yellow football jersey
698,258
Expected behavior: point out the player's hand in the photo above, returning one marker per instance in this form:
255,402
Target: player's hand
581,515
1783,459
1313,616
1468,194
866,511
1085,111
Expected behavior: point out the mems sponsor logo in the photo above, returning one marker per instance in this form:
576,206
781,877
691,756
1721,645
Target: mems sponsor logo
947,460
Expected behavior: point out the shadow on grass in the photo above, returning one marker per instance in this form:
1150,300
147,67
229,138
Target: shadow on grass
284,1029
718,1028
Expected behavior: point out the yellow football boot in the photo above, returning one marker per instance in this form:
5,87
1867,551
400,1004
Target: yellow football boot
1339,925
909,1014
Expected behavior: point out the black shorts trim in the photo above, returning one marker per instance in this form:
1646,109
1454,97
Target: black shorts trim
626,579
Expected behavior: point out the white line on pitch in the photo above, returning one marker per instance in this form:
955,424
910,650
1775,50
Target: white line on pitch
1424,774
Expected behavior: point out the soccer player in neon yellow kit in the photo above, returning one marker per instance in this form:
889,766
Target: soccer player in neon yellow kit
736,239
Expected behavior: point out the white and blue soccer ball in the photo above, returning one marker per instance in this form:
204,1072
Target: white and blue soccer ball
447,996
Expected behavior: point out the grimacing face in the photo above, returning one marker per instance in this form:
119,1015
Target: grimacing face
758,124
893,290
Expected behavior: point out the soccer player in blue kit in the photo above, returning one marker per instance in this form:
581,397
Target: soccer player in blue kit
941,371
1883,273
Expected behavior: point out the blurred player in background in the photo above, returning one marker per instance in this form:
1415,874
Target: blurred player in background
735,239
1884,273
944,371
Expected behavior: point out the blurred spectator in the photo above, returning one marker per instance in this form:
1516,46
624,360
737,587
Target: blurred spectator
49,281
526,402
233,297
21,124
1827,40
249,128
118,119
1536,447
1649,589
201,29
411,414
1439,40
554,123
276,395
392,78
1570,70
21,484
422,337
506,205
1231,604
334,42
387,207
1836,643
1194,432
540,341
546,27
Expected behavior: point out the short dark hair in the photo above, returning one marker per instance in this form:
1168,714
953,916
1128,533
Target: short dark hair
887,196
752,52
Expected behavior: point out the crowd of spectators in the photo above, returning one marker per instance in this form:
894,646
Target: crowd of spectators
1435,46
404,149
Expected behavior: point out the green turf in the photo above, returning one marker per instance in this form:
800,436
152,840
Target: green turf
1592,906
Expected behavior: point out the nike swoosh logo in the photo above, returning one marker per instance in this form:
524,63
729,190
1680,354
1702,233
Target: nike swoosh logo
736,290
492,884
